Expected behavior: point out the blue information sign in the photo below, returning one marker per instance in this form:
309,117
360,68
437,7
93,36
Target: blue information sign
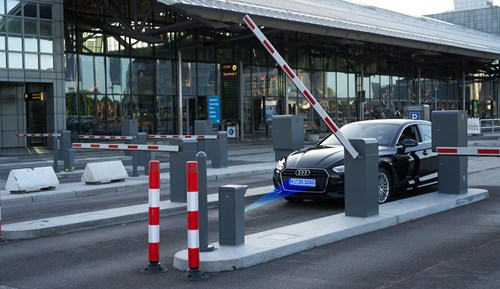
214,108
414,115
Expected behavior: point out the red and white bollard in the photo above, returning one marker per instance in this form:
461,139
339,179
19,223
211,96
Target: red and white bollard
154,266
193,272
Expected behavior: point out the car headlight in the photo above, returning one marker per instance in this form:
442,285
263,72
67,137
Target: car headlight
280,165
339,169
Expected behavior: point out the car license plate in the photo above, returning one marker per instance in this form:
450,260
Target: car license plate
302,182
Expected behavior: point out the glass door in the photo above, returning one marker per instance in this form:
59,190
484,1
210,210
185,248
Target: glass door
35,111
189,115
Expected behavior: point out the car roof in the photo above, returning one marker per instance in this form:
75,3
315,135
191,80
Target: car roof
398,121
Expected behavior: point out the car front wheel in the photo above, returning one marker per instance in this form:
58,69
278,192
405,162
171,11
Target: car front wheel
384,186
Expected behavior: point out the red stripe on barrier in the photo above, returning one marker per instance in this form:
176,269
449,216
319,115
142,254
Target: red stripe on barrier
176,136
77,145
153,148
154,216
154,252
330,123
95,146
123,137
192,217
269,47
201,136
488,151
447,151
249,23
289,71
113,146
309,97
194,258
132,147
154,174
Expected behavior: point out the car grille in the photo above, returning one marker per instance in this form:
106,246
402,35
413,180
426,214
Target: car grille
320,175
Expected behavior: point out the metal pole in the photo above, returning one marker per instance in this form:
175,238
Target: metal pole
201,158
56,153
179,88
463,92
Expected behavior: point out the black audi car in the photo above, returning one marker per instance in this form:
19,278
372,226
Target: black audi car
406,161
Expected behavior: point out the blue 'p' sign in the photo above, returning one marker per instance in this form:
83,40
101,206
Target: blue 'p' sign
414,115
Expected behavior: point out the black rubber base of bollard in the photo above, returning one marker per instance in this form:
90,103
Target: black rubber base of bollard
195,275
2,241
154,269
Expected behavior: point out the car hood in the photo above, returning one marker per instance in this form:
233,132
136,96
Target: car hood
316,157
322,157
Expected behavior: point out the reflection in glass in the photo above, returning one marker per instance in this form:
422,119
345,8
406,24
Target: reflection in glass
46,45
14,7
15,60
15,43
189,78
165,77
45,11
46,62
30,10
2,42
31,61
3,62
142,76
206,79
92,74
14,25
31,44
46,28
30,27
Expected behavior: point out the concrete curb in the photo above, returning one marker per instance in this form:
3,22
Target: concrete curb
272,244
91,220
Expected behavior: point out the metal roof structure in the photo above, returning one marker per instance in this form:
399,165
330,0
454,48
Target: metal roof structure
347,20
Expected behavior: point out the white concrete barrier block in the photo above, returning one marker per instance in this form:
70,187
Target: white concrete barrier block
31,179
104,172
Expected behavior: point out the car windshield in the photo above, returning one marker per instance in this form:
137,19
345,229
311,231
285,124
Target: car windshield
384,133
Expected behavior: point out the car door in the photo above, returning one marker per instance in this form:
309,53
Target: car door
406,161
428,159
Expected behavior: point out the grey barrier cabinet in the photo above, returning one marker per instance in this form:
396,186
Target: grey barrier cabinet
218,150
130,126
232,214
142,138
187,152
361,179
69,160
64,143
287,134
203,127
55,148
419,112
449,129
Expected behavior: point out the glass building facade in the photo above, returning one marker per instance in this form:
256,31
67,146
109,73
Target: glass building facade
100,62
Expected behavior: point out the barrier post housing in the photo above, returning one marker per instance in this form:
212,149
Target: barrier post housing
449,129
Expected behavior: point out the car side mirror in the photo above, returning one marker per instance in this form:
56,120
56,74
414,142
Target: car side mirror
407,143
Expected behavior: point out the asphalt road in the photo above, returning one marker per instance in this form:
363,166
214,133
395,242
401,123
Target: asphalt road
454,249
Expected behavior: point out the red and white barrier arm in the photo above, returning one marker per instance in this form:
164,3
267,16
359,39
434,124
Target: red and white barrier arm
468,151
167,136
37,134
300,86
134,147
104,137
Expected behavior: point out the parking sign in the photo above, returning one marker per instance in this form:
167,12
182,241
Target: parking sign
414,115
